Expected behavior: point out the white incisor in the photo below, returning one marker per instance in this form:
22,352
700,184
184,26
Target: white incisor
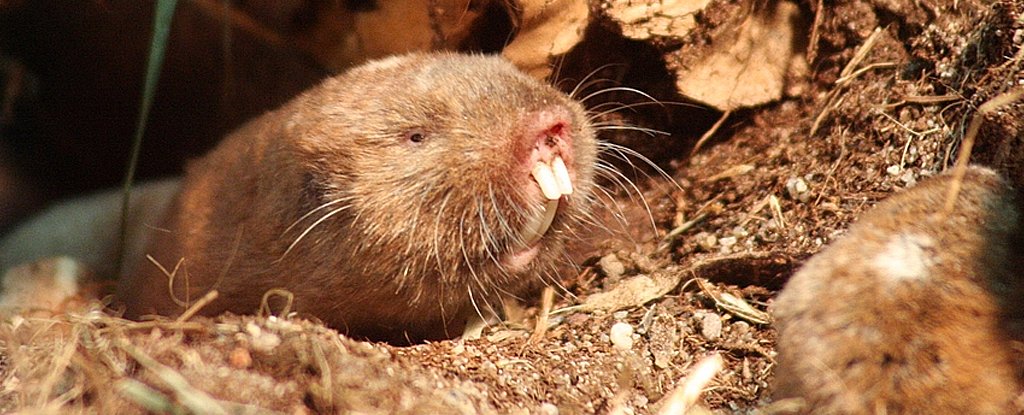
553,179
554,182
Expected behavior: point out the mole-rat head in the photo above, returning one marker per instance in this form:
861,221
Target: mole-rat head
452,164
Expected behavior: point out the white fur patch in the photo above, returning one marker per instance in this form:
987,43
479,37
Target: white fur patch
44,284
66,273
383,64
905,257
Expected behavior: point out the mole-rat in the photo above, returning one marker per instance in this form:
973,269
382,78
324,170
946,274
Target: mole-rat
915,311
393,201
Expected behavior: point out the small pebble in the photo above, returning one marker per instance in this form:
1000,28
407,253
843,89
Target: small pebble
266,343
798,190
239,358
253,329
740,328
300,410
706,240
612,266
577,319
261,340
547,408
908,178
621,336
740,232
711,326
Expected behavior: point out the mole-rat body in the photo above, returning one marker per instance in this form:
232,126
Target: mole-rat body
393,200
914,311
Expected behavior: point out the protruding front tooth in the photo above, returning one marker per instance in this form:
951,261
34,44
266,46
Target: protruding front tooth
562,176
546,179
538,225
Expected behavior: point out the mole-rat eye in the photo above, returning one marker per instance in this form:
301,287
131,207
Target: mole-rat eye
415,135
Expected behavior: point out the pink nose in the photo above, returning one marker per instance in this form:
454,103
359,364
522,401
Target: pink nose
549,133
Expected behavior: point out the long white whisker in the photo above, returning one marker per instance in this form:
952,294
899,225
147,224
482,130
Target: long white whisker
435,247
649,131
501,217
444,315
610,173
575,268
621,88
615,106
465,255
469,290
585,79
311,212
634,153
643,199
310,228
592,114
618,215
472,272
490,244
616,177
668,103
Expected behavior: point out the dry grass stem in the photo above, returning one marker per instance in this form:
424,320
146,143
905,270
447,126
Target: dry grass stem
683,398
960,169
191,398
733,304
280,292
710,132
834,99
202,302
547,301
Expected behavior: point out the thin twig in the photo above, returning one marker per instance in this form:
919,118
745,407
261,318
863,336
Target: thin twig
848,73
960,169
547,300
711,132
819,19
867,68
281,292
202,302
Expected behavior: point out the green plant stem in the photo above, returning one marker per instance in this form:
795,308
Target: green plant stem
157,48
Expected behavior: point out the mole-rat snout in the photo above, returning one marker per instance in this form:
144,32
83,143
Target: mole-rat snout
547,155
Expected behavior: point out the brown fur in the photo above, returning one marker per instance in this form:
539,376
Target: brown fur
911,312
419,245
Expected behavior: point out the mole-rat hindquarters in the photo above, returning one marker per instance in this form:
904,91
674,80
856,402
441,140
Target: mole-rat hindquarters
393,201
914,311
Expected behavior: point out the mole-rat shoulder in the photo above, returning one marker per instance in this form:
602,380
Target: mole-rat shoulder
914,310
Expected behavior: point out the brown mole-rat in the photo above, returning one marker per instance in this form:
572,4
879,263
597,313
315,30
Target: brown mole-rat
393,200
914,311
